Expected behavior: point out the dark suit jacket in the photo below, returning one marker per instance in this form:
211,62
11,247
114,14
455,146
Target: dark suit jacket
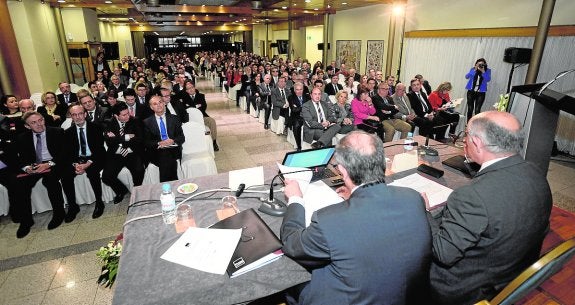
95,139
133,126
152,135
295,109
100,116
61,110
309,115
278,102
142,111
199,99
490,231
374,248
329,90
180,110
416,105
381,105
54,141
71,100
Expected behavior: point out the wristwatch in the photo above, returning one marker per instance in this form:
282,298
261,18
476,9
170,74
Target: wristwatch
51,163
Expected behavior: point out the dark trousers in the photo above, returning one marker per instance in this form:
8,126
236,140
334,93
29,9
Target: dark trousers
166,160
296,127
8,180
23,207
268,111
114,165
474,102
372,129
93,174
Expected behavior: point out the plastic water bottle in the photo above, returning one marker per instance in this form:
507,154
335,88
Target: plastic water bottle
168,201
407,143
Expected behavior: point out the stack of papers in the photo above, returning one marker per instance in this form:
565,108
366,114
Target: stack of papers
436,193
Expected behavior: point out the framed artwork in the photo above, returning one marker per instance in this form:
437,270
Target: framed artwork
348,52
374,55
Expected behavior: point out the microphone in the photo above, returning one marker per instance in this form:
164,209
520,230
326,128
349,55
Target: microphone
273,206
426,149
396,144
240,189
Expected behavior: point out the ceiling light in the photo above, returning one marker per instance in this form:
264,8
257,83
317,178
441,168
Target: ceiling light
276,10
344,3
307,1
61,1
179,15
315,9
284,7
108,2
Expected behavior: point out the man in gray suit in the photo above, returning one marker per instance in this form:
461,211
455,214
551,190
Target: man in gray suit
265,92
280,95
493,228
372,248
319,122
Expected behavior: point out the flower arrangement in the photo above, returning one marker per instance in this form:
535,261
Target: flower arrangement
109,257
501,105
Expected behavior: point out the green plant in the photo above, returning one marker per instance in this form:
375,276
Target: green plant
109,257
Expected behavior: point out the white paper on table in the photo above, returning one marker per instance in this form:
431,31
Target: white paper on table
303,177
404,161
317,196
249,176
208,250
436,193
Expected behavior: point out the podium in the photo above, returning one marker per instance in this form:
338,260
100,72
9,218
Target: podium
539,113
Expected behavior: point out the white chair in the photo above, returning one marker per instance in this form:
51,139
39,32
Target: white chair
195,115
196,158
216,81
262,117
74,88
290,138
37,98
253,112
304,144
67,123
337,138
243,103
332,99
233,92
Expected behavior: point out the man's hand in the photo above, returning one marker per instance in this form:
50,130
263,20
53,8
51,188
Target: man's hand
110,134
165,143
325,124
410,117
81,168
343,192
292,188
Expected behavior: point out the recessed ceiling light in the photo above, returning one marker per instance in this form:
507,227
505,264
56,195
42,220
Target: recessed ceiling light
276,10
108,2
203,5
284,7
307,1
315,9
61,1
179,15
344,3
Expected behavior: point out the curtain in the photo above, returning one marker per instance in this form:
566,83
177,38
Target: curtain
449,59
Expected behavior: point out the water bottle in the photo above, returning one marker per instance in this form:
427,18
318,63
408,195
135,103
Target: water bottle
407,143
168,201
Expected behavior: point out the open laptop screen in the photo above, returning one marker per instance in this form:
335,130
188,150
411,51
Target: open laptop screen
309,158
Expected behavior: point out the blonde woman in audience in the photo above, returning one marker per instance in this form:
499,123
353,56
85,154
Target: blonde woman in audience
342,112
350,87
52,108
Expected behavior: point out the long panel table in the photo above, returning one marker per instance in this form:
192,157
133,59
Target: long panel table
144,278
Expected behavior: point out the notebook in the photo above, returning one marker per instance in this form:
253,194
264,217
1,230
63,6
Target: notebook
317,160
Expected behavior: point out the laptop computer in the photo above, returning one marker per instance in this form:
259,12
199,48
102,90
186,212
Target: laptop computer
317,160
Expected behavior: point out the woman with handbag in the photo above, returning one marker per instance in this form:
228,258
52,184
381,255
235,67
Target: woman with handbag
364,113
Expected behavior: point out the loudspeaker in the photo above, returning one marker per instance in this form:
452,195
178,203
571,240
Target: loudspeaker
111,50
81,53
282,46
517,55
320,46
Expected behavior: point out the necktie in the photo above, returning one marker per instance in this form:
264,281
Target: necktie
131,111
142,100
320,113
123,150
38,148
300,101
67,98
122,125
423,103
90,116
163,131
193,97
82,142
282,94
404,103
335,88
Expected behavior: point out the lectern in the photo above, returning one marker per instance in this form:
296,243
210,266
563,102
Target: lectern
538,111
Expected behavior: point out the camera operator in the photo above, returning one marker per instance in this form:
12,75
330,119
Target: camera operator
478,77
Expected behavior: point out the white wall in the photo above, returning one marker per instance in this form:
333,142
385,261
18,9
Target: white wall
38,44
460,14
313,36
117,33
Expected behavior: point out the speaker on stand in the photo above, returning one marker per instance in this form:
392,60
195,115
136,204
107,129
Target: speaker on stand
514,56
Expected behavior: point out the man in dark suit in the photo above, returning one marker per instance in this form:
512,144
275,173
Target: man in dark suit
94,113
66,97
319,122
265,93
85,155
163,139
388,265
142,95
123,135
135,109
333,87
192,98
41,155
424,111
493,228
279,97
385,110
295,121
116,85
174,106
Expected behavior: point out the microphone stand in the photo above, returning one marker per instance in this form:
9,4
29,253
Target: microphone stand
273,206
426,149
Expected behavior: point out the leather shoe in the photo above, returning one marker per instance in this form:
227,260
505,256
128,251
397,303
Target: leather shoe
266,126
24,229
55,222
73,210
317,144
118,198
98,210
216,147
